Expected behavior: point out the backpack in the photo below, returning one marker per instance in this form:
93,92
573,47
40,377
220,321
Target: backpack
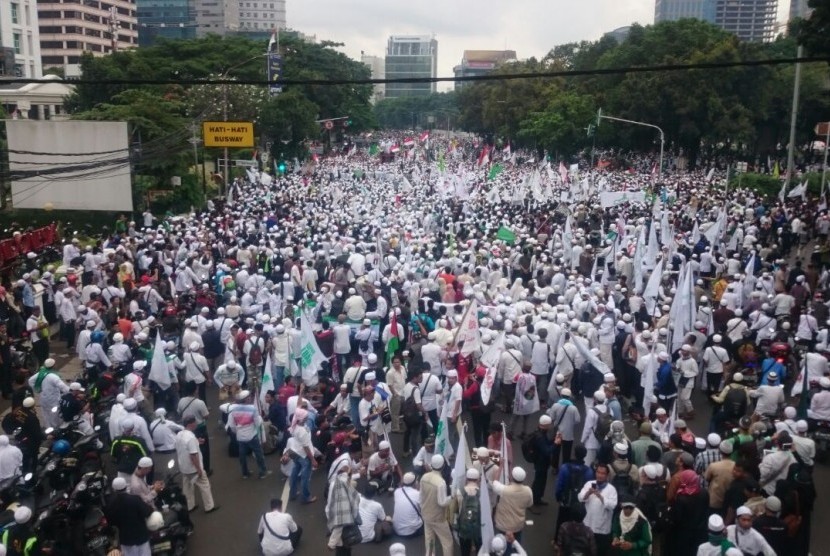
735,402
529,451
255,355
570,497
603,426
409,409
622,481
469,517
144,303
576,539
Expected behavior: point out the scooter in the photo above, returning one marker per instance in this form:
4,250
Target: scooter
171,538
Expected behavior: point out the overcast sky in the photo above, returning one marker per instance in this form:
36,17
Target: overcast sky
530,27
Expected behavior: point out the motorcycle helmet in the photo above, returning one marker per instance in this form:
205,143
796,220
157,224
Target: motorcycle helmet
61,447
155,521
97,337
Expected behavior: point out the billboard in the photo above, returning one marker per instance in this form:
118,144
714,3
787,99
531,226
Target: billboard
274,73
228,134
69,165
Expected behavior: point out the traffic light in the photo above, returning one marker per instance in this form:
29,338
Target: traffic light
281,167
347,123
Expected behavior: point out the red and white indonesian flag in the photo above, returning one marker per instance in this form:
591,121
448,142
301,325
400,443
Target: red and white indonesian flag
468,331
395,149
424,136
409,142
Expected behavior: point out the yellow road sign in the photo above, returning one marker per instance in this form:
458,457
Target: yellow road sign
228,134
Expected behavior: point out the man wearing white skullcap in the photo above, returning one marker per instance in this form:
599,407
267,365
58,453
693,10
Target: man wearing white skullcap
406,517
384,468
11,460
434,501
128,513
514,500
742,535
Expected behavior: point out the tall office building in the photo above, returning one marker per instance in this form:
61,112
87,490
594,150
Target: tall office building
378,68
480,62
799,8
169,19
411,57
216,17
20,39
67,30
672,10
750,20
261,16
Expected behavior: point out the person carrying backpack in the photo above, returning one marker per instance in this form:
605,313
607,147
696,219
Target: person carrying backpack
254,349
572,477
542,450
597,426
733,400
624,474
468,523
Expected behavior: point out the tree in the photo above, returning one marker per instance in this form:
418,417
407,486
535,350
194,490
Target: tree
287,120
416,111
813,32
559,128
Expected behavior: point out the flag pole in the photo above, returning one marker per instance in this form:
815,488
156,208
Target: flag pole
463,318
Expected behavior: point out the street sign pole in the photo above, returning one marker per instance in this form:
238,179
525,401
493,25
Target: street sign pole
826,146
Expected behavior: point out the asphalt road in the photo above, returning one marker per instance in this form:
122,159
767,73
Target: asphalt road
232,529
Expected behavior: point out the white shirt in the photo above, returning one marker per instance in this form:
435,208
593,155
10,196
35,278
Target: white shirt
405,518
11,458
598,513
164,434
341,338
186,445
453,400
196,367
430,387
749,541
713,359
371,512
280,523
820,406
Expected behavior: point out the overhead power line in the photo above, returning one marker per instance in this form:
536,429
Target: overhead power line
466,78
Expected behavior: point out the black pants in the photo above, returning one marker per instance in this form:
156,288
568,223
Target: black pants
603,544
540,480
433,419
41,350
469,546
201,433
481,427
68,333
412,437
713,381
561,454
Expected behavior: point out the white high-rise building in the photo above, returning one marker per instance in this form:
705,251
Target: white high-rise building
378,68
20,39
261,15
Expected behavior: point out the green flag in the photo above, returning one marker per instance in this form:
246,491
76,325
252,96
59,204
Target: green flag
494,171
373,149
506,234
441,164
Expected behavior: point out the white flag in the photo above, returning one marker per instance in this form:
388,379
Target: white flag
653,288
468,330
797,191
267,379
459,472
490,360
159,373
310,355
487,530
442,435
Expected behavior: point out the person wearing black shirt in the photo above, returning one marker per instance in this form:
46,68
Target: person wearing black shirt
128,513
23,418
771,526
127,449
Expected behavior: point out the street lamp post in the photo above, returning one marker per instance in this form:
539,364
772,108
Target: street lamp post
600,116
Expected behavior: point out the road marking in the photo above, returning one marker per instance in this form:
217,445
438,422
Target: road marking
284,496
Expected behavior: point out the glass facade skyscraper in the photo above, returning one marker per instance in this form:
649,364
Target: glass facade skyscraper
411,57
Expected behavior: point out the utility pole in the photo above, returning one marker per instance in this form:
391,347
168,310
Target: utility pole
194,140
794,119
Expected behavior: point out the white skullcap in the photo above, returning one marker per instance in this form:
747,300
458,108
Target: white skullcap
518,474
118,484
437,461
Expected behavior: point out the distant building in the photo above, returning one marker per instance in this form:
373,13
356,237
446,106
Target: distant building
672,10
169,19
480,62
20,39
95,27
36,101
218,17
261,16
619,34
377,65
799,9
411,57
750,20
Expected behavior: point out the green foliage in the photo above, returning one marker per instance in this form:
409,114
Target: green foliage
288,119
738,110
813,32
414,112
760,183
184,197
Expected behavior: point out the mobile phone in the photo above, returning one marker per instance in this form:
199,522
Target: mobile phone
593,485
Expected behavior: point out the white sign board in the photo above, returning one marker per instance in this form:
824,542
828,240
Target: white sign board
69,165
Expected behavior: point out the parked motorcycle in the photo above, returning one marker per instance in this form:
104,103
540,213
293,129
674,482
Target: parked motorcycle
170,539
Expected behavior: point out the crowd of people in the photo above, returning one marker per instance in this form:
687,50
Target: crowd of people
513,326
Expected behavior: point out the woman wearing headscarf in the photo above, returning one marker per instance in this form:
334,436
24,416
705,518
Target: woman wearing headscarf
689,515
525,402
341,509
630,531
